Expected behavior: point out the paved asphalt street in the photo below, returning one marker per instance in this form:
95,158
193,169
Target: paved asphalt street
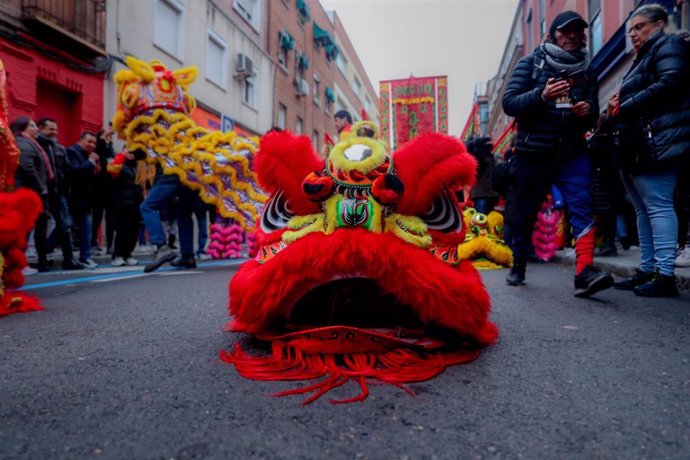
128,368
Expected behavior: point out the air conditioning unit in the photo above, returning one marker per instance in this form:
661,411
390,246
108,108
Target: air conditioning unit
244,67
301,86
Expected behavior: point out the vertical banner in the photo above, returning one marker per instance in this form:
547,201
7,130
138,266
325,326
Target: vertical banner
413,106
384,110
442,104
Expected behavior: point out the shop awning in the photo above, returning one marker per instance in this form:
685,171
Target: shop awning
302,61
321,36
330,95
287,42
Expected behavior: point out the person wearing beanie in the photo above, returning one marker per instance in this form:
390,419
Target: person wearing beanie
553,95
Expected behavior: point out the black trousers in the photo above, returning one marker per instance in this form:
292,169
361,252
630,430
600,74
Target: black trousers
99,210
126,230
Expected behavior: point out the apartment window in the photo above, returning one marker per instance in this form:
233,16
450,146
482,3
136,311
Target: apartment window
249,10
316,90
299,125
315,140
282,56
341,62
595,32
542,17
249,90
169,27
356,86
216,59
367,105
282,116
340,105
286,43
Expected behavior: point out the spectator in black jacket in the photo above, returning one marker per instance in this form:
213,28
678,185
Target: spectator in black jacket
84,166
553,95
102,192
34,172
58,189
653,107
483,194
126,200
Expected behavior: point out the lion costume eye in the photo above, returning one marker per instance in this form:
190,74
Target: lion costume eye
276,214
443,215
130,95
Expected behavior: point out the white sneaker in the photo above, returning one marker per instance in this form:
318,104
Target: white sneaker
683,259
28,271
131,261
146,248
88,263
118,262
203,255
98,251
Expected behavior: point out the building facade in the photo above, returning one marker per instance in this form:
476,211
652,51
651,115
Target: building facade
317,71
222,38
55,56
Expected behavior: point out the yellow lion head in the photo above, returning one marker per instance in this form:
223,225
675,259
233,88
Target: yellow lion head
144,87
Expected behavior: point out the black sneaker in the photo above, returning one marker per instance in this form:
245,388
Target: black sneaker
164,254
659,286
592,280
71,265
516,277
184,262
638,279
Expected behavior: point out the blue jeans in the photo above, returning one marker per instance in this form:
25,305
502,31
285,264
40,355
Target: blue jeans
166,188
201,214
657,226
535,177
84,219
484,205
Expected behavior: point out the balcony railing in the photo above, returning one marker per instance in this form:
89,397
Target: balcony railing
83,20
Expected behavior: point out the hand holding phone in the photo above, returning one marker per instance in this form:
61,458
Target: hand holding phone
555,88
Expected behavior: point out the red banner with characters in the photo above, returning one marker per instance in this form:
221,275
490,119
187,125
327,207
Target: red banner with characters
413,106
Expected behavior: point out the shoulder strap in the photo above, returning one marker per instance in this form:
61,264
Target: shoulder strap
538,66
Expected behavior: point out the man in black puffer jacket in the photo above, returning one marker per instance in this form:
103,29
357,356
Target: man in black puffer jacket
553,95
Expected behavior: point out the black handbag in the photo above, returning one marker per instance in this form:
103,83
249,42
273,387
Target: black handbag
633,145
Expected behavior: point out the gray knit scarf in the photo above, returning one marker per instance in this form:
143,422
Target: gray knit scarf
564,61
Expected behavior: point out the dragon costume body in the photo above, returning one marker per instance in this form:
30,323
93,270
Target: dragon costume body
18,212
153,118
357,274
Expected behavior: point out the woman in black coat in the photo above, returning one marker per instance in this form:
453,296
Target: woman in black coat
126,200
652,108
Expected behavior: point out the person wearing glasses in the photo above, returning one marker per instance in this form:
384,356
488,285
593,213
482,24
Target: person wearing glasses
653,107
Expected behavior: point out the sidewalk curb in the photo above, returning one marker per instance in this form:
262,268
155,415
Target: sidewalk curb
624,267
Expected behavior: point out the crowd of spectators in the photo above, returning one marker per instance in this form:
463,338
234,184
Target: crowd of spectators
637,148
91,198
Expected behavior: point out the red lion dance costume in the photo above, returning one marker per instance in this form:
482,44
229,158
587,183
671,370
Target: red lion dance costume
18,212
357,275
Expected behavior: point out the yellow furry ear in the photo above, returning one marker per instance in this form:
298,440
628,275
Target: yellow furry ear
185,77
123,76
140,68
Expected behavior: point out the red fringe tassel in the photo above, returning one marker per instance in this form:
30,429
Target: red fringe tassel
18,302
395,367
